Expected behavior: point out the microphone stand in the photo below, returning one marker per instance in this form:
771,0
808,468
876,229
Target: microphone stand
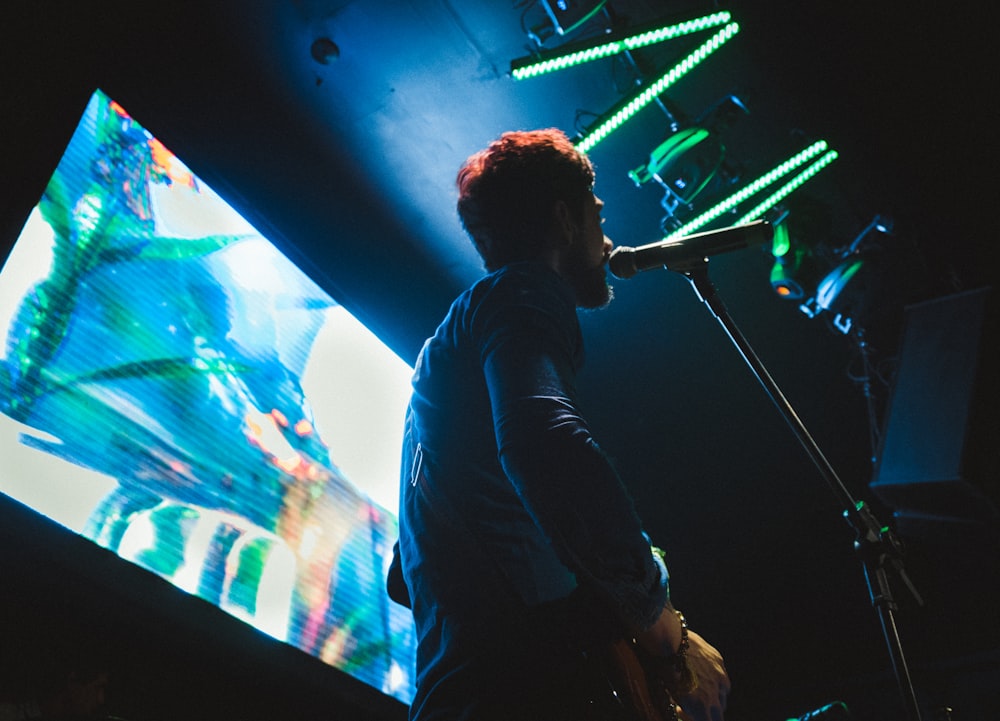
876,545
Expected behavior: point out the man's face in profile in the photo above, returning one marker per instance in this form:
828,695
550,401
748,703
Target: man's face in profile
586,262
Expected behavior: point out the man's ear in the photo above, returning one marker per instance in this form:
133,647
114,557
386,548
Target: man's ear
564,224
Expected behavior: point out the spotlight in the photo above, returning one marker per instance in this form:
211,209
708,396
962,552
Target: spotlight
786,265
794,272
691,156
839,293
688,161
783,280
848,290
882,223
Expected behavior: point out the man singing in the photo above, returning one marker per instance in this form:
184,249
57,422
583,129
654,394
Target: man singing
522,556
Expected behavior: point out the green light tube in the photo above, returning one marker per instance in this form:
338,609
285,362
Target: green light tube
780,243
646,96
788,187
639,40
753,188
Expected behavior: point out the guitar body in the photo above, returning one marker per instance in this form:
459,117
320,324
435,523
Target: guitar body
639,683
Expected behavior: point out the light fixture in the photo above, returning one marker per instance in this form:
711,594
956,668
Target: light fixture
625,110
836,294
882,223
567,57
786,264
785,190
568,15
764,181
691,155
795,269
846,291
692,160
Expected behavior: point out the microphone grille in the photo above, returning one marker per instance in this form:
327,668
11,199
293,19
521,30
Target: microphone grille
621,263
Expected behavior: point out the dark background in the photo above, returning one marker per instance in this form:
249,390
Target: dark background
348,168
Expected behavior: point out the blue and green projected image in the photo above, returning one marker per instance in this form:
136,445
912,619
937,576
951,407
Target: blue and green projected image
173,388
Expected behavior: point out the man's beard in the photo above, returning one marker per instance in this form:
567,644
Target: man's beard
590,285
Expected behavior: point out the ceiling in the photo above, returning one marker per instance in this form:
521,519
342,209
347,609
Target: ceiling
348,166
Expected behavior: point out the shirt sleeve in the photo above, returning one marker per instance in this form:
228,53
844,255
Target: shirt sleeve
565,481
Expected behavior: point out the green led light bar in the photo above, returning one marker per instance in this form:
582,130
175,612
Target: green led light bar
788,187
613,47
772,176
646,96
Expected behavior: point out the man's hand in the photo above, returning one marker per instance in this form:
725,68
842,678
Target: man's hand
708,700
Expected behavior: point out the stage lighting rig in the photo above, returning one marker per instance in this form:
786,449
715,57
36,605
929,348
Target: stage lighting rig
608,45
795,271
847,291
624,111
808,162
692,160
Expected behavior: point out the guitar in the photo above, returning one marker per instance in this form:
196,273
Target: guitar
640,684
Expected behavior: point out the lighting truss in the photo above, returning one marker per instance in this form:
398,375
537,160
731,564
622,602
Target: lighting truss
618,117
529,68
788,187
767,179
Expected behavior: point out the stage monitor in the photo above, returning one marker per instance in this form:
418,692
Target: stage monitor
176,390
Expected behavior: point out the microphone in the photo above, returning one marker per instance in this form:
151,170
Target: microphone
680,253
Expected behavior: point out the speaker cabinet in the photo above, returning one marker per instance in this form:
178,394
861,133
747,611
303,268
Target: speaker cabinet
937,465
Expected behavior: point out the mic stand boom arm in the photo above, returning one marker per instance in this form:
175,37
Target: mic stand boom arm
876,545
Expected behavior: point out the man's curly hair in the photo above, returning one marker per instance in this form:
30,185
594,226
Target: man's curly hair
507,191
